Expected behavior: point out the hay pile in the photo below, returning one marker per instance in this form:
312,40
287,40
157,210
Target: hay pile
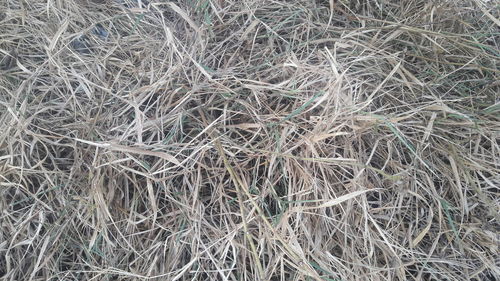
249,140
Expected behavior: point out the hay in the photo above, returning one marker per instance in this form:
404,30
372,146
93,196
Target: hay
249,140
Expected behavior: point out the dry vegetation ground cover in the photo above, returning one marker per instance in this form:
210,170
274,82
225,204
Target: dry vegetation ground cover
249,140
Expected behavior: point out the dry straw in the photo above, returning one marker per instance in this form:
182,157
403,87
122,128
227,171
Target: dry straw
249,140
